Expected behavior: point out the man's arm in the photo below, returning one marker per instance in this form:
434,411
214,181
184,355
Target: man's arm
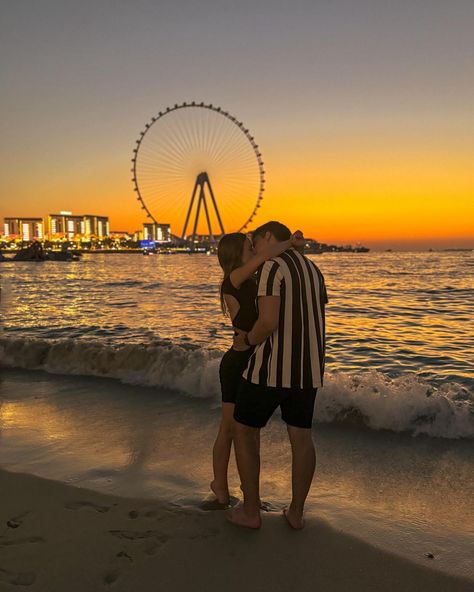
267,322
265,325
268,292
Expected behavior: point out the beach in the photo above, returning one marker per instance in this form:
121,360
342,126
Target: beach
406,497
67,538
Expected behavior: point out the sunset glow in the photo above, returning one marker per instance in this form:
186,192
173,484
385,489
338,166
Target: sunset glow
368,140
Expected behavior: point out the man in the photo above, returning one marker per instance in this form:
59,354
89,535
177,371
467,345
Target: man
284,371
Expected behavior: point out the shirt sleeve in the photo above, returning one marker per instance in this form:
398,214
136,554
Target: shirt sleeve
323,290
270,279
325,294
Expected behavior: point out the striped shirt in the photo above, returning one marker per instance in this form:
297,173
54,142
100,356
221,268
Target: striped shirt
293,355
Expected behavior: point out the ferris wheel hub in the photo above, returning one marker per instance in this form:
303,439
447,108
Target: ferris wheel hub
202,178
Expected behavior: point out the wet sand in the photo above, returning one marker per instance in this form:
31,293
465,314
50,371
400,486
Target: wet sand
56,537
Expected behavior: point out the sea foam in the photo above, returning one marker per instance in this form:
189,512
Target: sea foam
403,404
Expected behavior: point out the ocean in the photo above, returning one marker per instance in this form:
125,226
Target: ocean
110,381
400,342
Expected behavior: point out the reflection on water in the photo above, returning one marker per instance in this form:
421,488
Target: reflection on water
395,312
140,442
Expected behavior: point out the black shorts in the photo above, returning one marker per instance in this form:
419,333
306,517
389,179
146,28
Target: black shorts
255,405
233,363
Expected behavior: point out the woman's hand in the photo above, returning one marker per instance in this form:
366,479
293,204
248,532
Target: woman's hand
275,249
298,241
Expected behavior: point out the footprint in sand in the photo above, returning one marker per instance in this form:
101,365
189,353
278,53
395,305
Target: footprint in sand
133,514
25,578
151,540
211,504
111,577
269,507
17,521
150,514
205,535
134,535
80,505
23,541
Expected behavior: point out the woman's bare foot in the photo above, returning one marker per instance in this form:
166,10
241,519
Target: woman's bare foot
238,517
221,493
294,519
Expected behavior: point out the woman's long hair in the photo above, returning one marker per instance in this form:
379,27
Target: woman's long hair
229,254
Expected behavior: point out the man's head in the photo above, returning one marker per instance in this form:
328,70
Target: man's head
270,232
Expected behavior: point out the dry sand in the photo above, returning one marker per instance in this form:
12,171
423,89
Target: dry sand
58,538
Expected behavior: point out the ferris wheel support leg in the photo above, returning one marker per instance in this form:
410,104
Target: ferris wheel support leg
215,207
211,236
198,210
183,236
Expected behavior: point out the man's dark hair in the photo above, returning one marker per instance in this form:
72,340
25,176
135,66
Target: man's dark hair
279,230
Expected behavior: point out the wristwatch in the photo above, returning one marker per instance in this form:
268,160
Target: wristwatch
246,340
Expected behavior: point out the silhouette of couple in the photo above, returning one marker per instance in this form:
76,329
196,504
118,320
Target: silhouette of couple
275,297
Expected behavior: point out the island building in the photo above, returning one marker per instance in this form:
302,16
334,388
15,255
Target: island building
24,229
160,233
83,226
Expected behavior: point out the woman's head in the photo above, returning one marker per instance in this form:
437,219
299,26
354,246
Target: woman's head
234,250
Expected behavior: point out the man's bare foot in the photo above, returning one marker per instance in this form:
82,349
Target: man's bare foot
238,517
294,520
221,493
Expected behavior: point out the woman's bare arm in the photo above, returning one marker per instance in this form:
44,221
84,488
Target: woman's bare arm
244,272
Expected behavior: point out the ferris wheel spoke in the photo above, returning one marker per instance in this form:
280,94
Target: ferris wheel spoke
194,133
184,136
171,136
225,142
218,135
150,164
172,148
148,171
159,163
231,147
158,167
210,131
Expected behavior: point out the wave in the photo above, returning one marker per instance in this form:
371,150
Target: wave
124,283
371,399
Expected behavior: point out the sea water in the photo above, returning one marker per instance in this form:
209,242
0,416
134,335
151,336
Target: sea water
400,333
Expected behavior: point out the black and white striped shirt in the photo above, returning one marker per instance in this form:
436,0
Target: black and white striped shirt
293,355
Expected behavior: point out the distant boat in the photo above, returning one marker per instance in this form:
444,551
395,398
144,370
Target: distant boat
39,256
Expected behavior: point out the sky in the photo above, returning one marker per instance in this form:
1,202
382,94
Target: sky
363,109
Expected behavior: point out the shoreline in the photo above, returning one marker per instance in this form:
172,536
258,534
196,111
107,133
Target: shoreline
100,540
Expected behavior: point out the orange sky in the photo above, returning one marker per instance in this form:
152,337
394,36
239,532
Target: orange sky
363,112
404,197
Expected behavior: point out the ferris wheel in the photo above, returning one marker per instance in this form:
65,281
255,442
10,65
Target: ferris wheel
199,169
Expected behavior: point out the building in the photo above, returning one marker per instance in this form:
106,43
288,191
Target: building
121,235
100,225
204,238
84,226
24,229
159,233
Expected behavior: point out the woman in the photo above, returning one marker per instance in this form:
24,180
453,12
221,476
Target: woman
238,301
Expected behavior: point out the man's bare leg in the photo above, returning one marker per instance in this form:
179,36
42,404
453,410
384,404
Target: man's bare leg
303,467
247,453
